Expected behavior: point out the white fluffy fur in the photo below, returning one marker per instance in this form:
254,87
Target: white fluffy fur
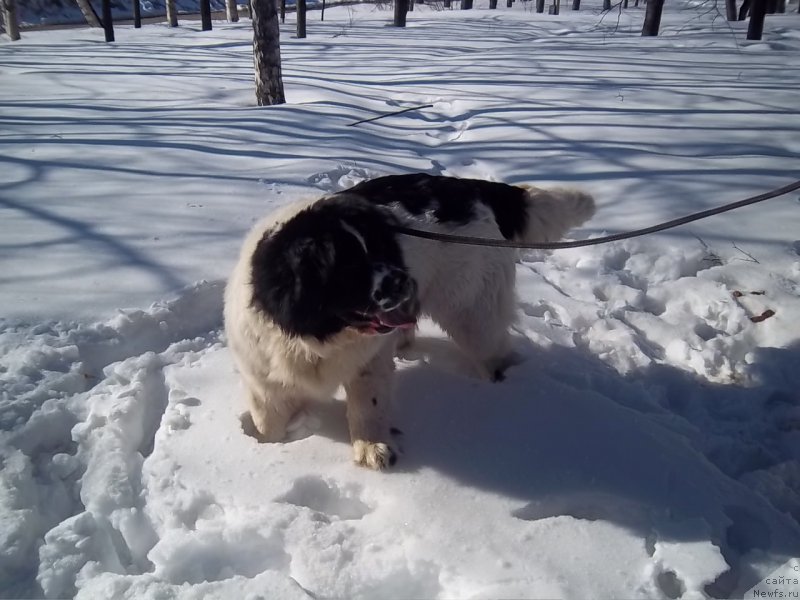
467,290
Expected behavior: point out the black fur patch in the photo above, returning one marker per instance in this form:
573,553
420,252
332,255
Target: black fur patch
312,274
452,200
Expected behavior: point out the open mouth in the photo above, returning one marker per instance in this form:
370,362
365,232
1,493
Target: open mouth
386,322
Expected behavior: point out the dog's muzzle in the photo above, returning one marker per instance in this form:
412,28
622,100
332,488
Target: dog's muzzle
394,302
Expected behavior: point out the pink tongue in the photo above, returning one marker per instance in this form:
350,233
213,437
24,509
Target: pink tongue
398,321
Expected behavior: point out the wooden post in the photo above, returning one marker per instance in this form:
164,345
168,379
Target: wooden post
205,14
137,14
10,18
757,13
232,10
172,13
108,22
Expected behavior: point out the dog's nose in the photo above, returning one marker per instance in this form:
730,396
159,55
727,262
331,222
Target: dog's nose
392,288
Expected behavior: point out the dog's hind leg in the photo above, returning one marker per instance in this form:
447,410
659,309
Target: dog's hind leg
480,329
368,403
489,349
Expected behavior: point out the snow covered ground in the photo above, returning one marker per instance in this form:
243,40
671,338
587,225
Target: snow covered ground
649,444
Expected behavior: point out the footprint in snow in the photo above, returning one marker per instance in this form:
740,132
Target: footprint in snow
326,498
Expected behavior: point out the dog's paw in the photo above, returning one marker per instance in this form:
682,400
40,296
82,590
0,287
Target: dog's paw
373,455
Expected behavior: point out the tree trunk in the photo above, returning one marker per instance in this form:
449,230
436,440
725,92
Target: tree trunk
108,22
539,6
492,4
744,10
400,10
89,13
283,11
448,4
410,5
636,3
576,4
322,12
606,4
509,3
466,4
624,3
232,11
267,52
300,8
137,14
205,15
730,10
172,13
10,18
772,7
652,17
781,8
756,26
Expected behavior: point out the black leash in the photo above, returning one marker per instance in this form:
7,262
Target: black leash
475,241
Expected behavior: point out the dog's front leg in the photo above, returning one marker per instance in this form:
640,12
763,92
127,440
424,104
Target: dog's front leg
368,405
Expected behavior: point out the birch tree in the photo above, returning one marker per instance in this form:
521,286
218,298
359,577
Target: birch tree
232,11
267,52
10,18
172,13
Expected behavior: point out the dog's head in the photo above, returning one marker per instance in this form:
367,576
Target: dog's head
333,266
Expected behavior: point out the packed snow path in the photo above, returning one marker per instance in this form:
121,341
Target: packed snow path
647,446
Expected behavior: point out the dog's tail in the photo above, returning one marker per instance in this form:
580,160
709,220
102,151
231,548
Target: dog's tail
552,212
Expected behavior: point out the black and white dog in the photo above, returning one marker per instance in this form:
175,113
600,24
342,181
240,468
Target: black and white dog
324,290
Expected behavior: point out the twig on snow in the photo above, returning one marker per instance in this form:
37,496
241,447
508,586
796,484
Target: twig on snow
397,112
750,258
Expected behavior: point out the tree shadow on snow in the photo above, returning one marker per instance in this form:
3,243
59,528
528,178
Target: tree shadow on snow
660,451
